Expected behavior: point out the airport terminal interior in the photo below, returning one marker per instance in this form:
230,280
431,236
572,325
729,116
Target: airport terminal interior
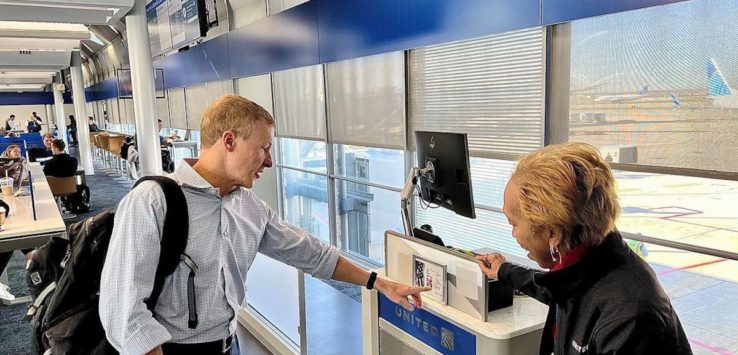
352,85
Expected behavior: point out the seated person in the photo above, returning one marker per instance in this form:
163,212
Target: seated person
62,164
92,124
35,153
13,151
167,140
12,163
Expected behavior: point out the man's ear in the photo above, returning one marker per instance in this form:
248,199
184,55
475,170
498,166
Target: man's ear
229,140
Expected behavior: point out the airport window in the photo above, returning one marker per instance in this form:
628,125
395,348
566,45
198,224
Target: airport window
299,102
654,86
701,288
376,165
303,154
366,100
364,214
489,230
195,105
489,177
177,108
305,202
690,210
489,87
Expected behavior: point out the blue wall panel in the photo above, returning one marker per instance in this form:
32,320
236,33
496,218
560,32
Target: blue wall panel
557,11
286,40
202,63
26,98
356,28
103,90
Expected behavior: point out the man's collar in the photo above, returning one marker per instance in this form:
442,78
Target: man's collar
186,175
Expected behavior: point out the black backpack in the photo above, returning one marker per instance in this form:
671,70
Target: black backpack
129,142
78,202
66,284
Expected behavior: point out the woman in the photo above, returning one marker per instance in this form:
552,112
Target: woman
602,297
13,151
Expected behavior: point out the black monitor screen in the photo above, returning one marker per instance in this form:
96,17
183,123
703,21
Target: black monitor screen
450,184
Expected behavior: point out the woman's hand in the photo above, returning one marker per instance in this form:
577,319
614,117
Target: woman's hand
490,264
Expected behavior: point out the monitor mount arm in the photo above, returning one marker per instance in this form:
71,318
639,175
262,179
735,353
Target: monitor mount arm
407,192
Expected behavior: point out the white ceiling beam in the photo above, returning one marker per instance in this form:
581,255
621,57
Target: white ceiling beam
79,11
25,81
38,44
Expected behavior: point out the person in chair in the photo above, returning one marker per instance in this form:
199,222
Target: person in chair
62,164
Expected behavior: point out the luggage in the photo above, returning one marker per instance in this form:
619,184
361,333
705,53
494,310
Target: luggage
78,202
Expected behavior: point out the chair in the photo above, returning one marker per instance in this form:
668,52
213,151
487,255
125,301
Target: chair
60,187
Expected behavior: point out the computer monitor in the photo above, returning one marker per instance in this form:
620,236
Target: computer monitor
449,182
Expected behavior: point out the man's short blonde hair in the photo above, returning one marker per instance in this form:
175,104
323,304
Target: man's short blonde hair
569,188
231,113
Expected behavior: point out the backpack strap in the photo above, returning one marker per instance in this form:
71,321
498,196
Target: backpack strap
173,243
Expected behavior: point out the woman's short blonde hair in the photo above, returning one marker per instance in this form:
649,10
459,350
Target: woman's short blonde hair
231,113
569,188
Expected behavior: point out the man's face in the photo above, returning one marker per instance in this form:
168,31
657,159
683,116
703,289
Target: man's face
536,243
251,155
161,125
47,142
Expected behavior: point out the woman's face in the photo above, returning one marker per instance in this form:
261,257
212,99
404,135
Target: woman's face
537,244
14,153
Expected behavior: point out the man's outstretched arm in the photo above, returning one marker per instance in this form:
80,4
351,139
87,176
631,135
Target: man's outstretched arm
396,292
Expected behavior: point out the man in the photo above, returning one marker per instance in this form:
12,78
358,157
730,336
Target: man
35,153
91,123
166,140
228,225
61,164
10,123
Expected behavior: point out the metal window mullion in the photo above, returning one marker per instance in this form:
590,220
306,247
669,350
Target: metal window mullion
408,156
366,183
290,167
330,164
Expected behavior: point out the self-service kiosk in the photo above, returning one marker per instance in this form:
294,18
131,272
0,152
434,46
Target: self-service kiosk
455,317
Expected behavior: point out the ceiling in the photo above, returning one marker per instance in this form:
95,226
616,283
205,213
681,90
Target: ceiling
37,37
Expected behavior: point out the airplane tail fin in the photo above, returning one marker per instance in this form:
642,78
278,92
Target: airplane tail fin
716,84
675,100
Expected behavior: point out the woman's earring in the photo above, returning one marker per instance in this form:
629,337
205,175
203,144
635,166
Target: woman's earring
554,253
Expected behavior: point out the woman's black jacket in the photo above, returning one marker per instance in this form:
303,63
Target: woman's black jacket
610,302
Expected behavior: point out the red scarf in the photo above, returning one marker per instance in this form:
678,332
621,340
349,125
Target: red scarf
567,259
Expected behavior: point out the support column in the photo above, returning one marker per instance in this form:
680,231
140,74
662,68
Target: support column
144,92
80,112
59,110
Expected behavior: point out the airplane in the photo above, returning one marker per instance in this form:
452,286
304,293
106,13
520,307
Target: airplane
718,89
624,98
675,100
